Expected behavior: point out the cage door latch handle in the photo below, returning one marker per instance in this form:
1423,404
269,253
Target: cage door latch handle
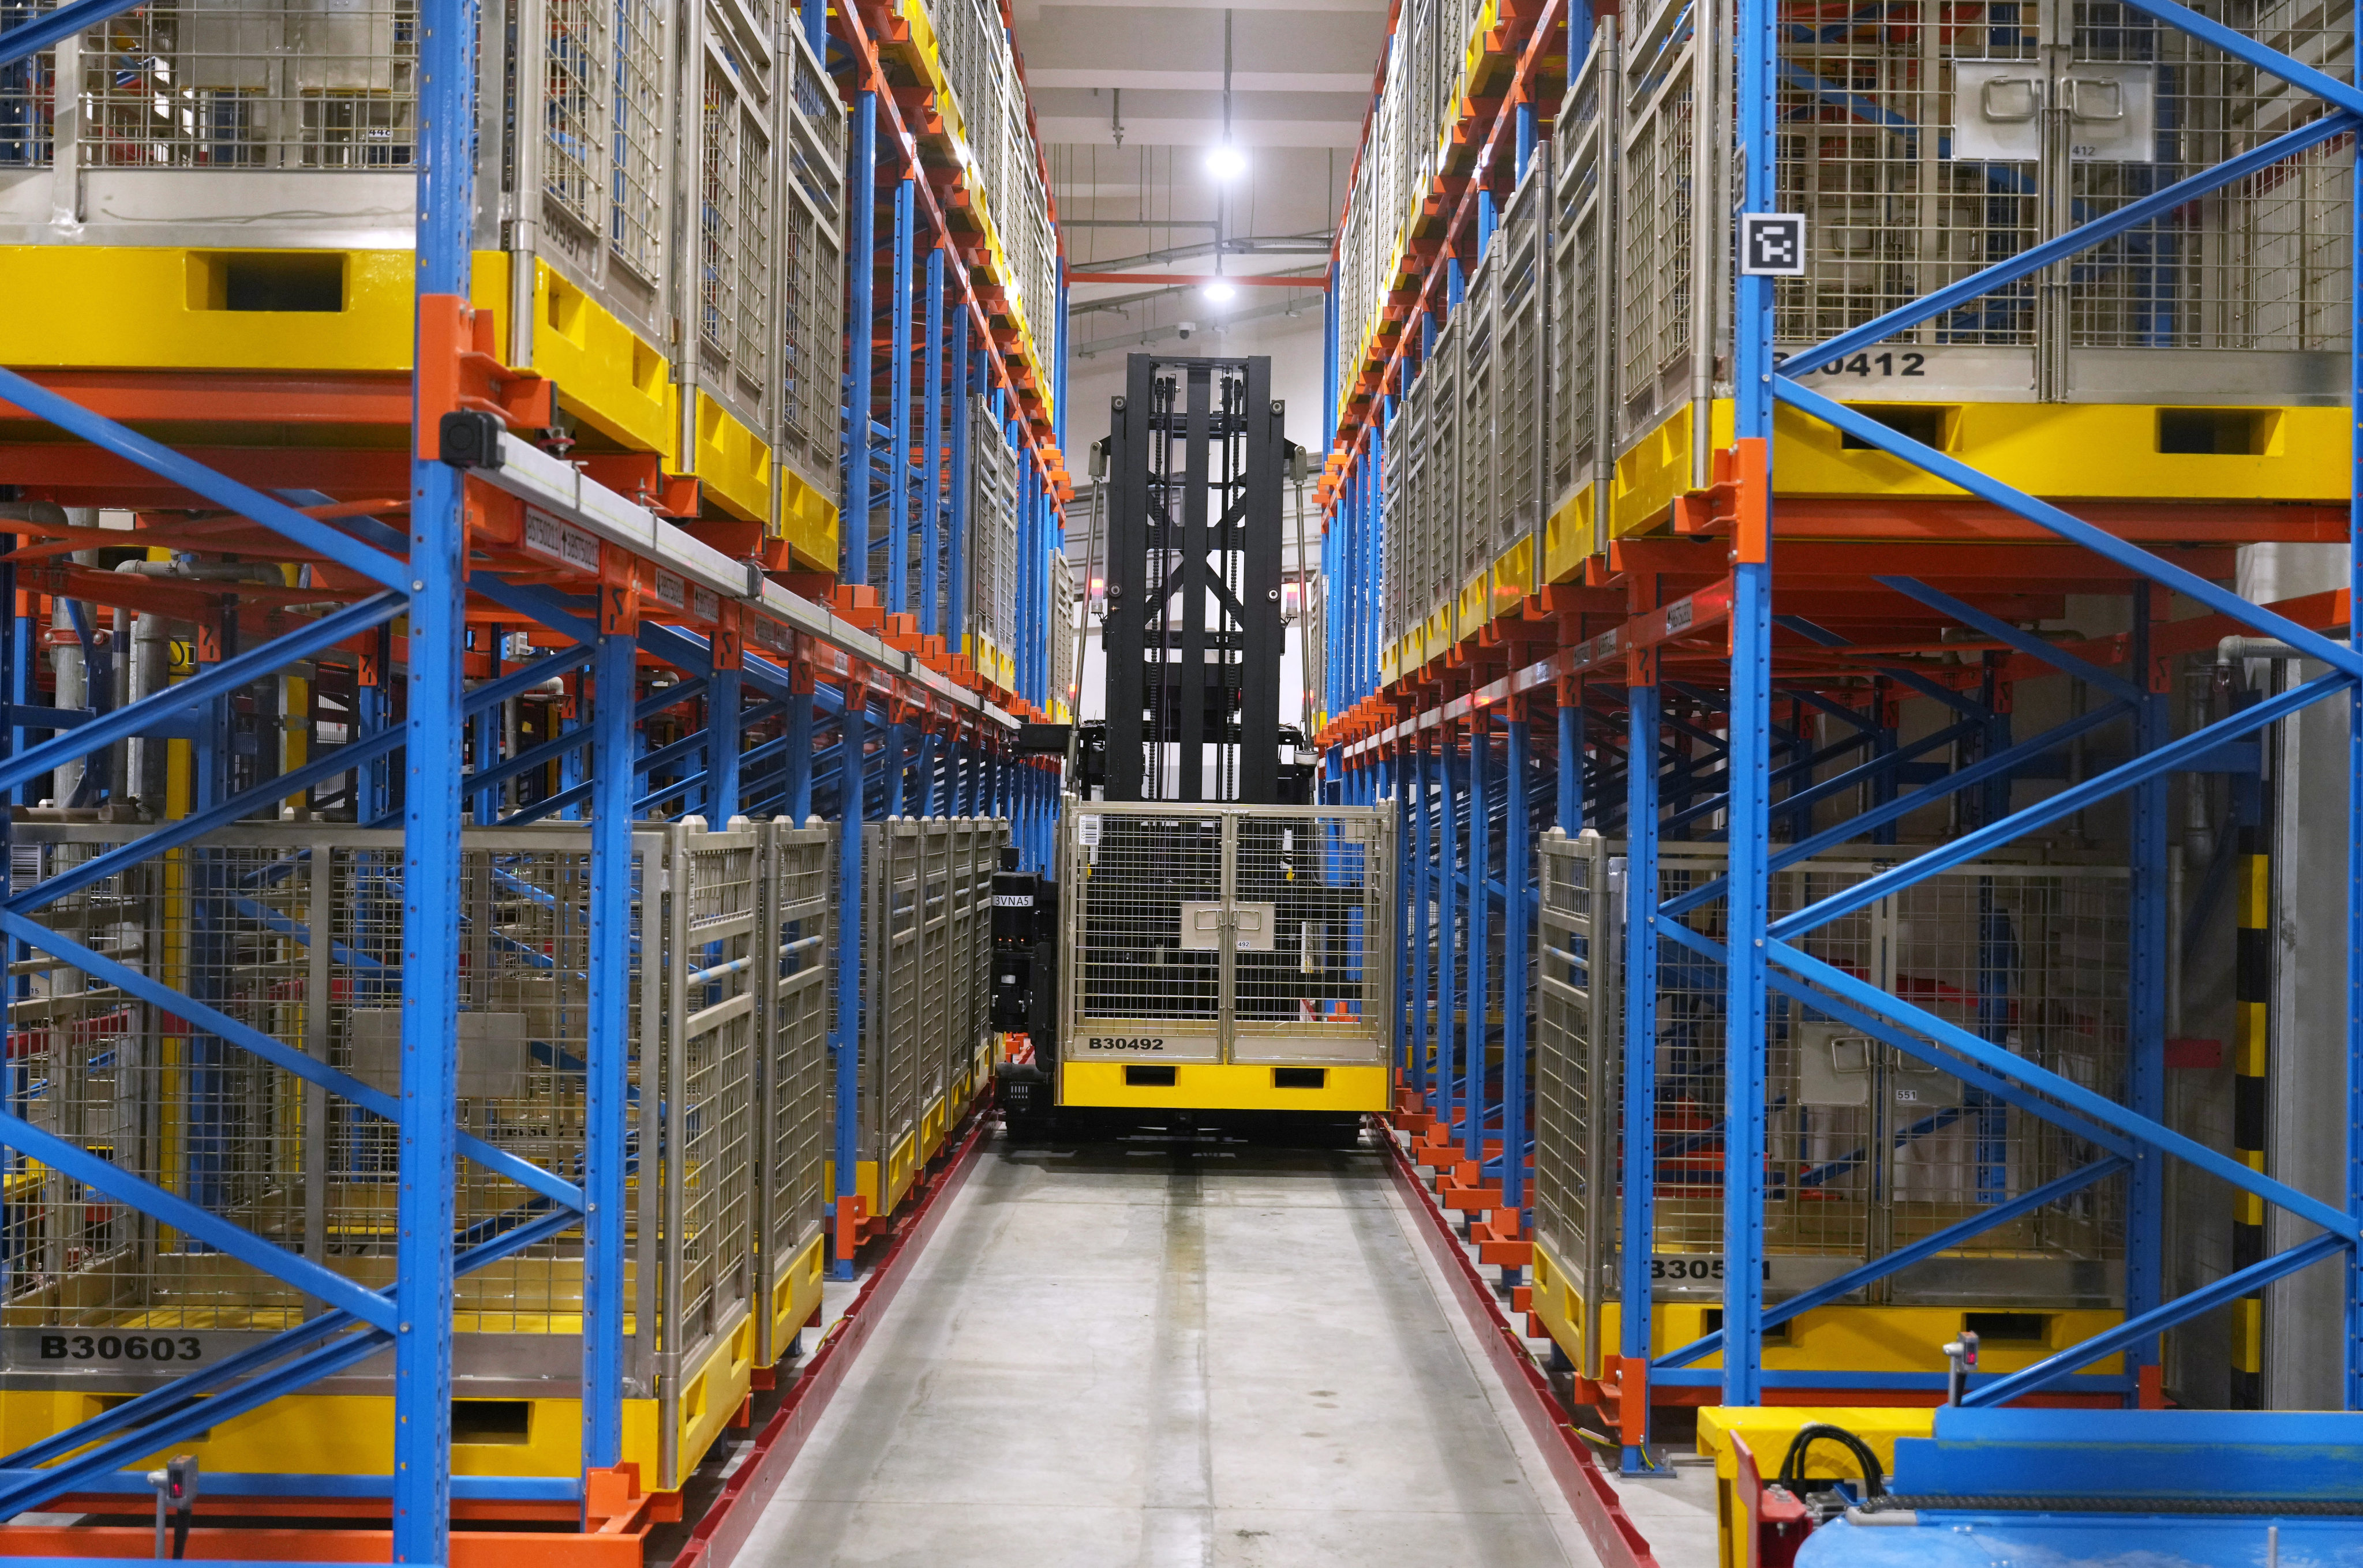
1989,100
2071,94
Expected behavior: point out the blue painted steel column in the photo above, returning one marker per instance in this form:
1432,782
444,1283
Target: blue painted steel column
2148,957
896,762
861,256
931,466
722,733
1570,760
799,758
433,756
956,550
816,19
1423,849
1403,769
898,418
607,1055
1517,906
485,750
847,1040
1447,924
1640,1031
1478,975
1751,713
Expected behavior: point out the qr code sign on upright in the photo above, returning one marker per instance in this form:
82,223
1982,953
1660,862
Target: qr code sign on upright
1772,245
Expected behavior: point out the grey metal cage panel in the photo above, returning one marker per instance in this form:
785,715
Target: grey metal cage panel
711,1070
1868,1149
1060,631
890,987
1405,436
313,86
1578,1077
1522,307
294,931
1478,486
1584,209
811,270
733,245
991,530
1447,419
1660,273
927,928
937,905
1222,933
604,161
794,1090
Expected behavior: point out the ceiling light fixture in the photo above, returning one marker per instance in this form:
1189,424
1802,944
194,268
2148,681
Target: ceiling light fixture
1225,162
1220,293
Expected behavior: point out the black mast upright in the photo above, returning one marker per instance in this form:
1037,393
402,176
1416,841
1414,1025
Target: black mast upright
1192,633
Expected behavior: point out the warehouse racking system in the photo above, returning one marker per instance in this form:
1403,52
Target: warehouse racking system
455,572
1803,456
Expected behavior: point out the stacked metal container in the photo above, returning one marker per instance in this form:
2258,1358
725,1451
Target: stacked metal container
1919,151
1426,73
1871,1148
991,543
972,49
268,152
926,909
292,935
1060,634
2213,333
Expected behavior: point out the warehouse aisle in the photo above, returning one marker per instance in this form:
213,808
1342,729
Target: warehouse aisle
1138,1353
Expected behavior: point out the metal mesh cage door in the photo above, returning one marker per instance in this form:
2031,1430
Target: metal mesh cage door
1870,1148
1260,934
1312,915
712,933
1142,901
793,1057
293,933
1577,1042
812,269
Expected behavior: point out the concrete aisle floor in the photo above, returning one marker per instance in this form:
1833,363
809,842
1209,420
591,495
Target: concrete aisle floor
1172,1355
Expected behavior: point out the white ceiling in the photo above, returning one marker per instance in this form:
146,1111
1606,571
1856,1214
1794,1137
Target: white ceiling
1152,70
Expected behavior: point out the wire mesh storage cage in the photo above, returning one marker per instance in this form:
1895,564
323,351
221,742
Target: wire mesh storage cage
1922,146
1472,431
1872,1148
927,903
292,935
1227,934
811,268
1059,655
992,535
276,146
1424,77
980,67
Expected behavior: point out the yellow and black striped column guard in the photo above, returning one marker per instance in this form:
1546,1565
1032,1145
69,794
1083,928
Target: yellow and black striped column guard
2251,1034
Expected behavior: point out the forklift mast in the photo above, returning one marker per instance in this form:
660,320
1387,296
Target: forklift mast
1193,632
